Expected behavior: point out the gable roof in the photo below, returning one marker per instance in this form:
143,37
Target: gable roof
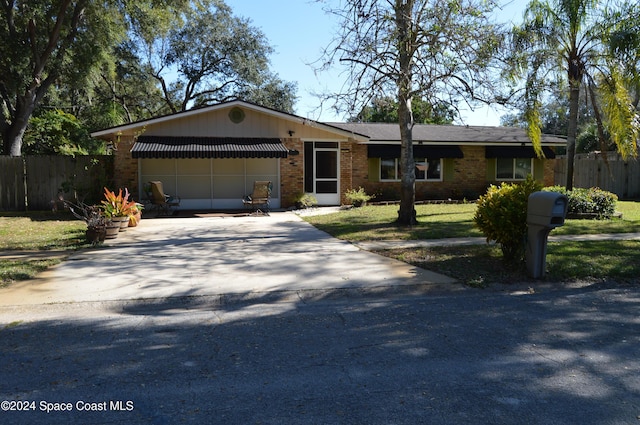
138,125
449,134
370,133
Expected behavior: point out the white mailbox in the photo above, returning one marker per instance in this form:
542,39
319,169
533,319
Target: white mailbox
545,211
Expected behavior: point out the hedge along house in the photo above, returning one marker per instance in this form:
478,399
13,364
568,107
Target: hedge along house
211,156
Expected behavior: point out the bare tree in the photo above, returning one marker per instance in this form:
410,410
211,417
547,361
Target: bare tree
437,50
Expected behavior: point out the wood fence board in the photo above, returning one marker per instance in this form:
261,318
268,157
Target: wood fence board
614,175
46,178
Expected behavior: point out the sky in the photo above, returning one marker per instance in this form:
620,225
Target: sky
298,30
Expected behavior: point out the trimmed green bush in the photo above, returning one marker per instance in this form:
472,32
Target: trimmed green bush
357,197
502,216
594,201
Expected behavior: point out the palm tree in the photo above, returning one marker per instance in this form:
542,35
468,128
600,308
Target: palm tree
569,40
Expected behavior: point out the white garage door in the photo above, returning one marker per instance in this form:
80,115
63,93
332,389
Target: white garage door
212,183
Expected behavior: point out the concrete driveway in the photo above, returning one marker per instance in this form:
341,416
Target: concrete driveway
178,257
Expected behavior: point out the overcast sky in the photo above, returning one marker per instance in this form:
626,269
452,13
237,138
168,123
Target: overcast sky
299,30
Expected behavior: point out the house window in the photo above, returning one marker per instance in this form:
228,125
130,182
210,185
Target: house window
429,169
389,169
426,169
513,168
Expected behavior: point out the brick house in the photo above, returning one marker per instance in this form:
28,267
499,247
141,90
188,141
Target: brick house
211,156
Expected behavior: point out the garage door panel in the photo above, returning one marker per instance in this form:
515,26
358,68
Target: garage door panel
228,187
228,167
196,187
262,166
192,167
161,167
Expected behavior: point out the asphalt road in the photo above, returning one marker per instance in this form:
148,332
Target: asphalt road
566,356
327,334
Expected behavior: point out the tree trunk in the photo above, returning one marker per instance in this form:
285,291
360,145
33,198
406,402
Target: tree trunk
12,135
407,211
572,131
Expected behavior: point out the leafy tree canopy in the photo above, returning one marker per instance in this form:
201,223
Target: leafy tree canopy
202,54
43,43
56,132
386,110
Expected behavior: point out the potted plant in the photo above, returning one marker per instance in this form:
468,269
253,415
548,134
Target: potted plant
92,215
118,208
137,214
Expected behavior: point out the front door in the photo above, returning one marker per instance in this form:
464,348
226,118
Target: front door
324,178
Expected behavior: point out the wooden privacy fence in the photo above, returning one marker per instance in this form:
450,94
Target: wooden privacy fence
37,182
591,170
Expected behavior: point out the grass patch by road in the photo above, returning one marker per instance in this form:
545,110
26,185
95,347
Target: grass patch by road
38,231
483,264
23,269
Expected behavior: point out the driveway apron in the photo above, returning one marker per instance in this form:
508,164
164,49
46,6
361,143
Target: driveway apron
177,257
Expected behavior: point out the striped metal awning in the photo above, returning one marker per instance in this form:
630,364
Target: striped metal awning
207,147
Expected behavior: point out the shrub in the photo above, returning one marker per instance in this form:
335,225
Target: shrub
502,216
305,200
588,201
357,197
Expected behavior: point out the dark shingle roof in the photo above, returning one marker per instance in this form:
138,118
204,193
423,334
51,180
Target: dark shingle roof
207,147
382,132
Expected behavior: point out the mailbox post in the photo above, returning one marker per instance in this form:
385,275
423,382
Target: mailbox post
545,211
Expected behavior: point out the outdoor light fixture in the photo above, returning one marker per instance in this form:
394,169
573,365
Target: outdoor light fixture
291,133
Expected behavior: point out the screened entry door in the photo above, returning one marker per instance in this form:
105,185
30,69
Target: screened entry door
323,180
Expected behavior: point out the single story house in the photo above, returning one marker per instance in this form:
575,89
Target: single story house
211,156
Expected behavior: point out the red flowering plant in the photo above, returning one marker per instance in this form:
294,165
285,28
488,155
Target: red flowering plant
118,205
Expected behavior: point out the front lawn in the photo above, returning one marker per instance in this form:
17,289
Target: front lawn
482,264
437,221
38,231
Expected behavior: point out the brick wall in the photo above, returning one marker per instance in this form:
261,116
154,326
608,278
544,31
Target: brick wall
291,173
125,167
468,179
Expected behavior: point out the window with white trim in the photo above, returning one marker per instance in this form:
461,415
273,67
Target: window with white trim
426,169
513,168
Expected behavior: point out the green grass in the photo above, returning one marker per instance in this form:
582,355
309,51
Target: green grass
483,264
437,221
567,261
24,269
39,231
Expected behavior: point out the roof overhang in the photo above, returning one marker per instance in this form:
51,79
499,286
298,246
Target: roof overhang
419,151
207,147
139,126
